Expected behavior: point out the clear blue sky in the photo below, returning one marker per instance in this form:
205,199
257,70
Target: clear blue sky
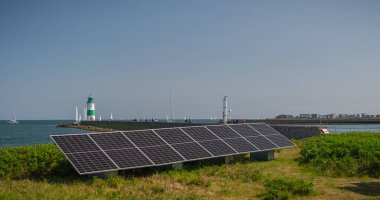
268,57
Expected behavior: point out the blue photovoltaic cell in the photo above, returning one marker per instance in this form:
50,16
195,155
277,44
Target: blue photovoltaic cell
223,131
191,150
199,133
280,140
94,161
173,136
144,138
108,141
217,147
127,158
261,142
162,154
75,143
241,145
264,129
244,130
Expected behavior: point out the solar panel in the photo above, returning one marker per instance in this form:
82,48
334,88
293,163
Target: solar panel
244,130
280,140
264,129
91,161
127,158
223,131
162,154
241,145
261,142
75,143
144,138
108,141
199,133
99,152
191,151
173,136
217,147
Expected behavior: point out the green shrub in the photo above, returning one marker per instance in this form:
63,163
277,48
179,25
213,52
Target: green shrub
285,188
353,154
33,162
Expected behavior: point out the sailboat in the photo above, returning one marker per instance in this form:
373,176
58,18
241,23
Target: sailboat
76,115
111,118
80,118
100,118
13,120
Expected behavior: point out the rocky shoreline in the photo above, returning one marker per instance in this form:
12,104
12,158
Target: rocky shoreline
85,127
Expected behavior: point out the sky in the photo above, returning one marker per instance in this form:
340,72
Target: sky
268,57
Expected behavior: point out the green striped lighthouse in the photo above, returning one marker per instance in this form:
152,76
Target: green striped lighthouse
90,108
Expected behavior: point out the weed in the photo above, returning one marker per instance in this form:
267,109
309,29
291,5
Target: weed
285,188
353,154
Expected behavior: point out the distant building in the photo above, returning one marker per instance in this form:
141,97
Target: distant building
304,116
315,116
283,116
330,116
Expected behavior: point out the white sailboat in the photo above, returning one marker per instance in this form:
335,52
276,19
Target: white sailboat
111,118
100,118
13,120
76,115
80,118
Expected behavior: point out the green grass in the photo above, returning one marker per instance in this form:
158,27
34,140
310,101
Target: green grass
286,188
352,154
33,162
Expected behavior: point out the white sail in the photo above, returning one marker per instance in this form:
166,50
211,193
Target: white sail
80,118
76,114
111,118
13,120
100,118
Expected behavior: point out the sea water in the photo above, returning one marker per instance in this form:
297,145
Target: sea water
30,132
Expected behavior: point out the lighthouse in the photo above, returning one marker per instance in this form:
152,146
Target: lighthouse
90,108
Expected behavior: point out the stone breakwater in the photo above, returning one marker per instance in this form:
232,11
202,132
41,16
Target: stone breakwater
85,127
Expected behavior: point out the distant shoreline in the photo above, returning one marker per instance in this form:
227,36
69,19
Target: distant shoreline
315,121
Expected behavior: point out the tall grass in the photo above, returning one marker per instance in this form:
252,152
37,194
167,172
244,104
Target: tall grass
285,188
352,154
33,162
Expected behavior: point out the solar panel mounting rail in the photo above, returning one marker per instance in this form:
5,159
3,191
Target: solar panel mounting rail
91,153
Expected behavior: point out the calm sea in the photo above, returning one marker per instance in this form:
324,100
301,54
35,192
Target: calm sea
29,132
32,132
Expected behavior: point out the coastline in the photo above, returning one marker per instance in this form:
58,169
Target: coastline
85,127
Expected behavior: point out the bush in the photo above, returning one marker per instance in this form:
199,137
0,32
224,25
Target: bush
352,154
33,162
285,188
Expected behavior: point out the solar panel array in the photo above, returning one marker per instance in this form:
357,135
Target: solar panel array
111,151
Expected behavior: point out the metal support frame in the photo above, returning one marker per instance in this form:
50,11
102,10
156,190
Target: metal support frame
229,159
177,165
262,155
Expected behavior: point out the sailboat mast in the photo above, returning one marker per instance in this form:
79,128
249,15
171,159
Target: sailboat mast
171,108
76,114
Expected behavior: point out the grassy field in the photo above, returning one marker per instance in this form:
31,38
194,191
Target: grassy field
282,178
